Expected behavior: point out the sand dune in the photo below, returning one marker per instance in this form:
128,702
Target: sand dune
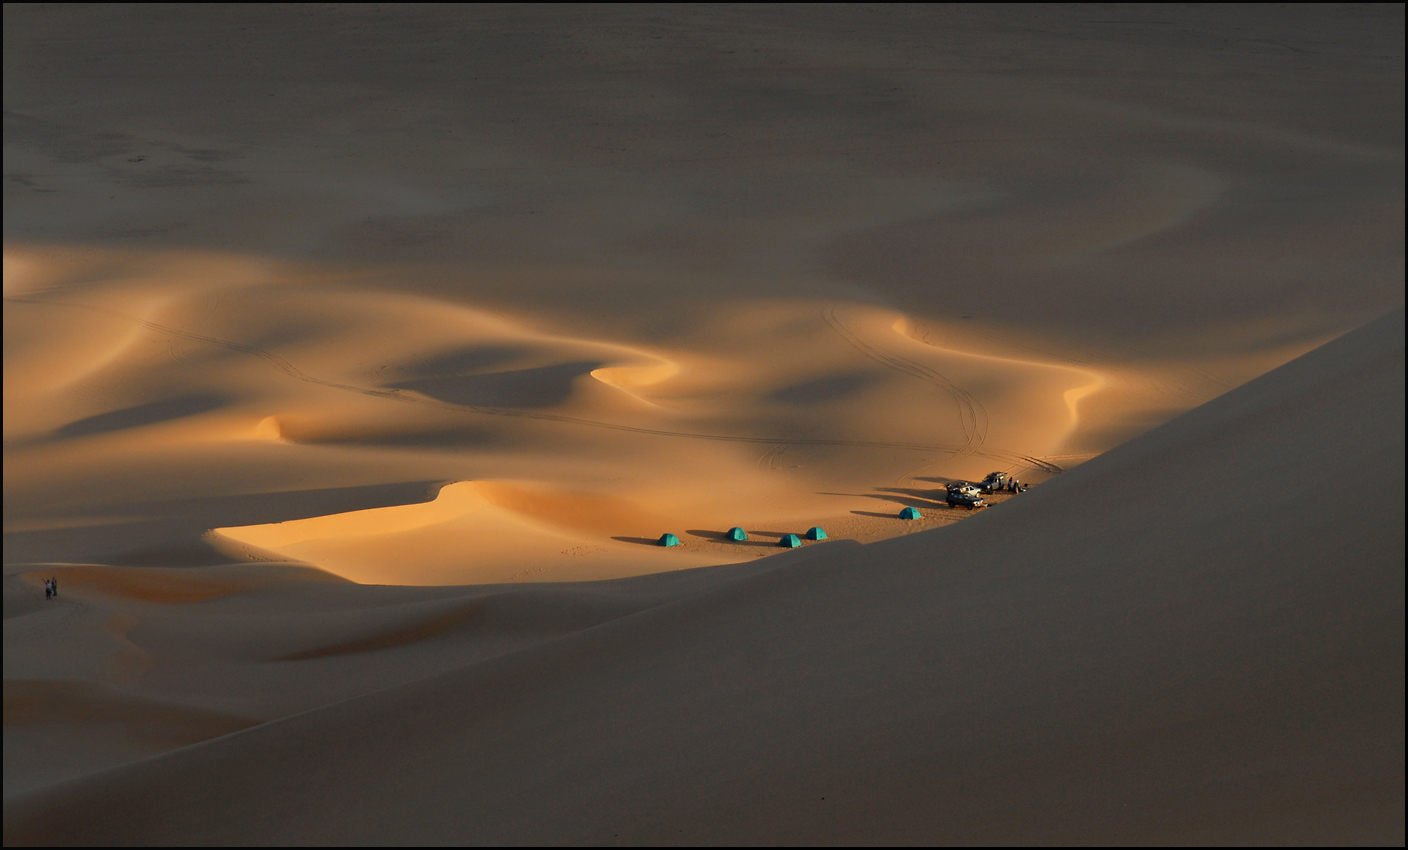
1215,657
383,387
729,276
355,359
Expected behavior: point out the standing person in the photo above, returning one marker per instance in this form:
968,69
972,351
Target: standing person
48,591
54,584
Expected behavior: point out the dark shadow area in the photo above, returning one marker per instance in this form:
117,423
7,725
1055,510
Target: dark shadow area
123,546
912,497
170,530
448,438
258,508
927,510
830,388
177,553
544,386
465,360
900,497
142,414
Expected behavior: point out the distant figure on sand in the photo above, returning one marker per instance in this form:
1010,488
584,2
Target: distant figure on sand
48,589
54,586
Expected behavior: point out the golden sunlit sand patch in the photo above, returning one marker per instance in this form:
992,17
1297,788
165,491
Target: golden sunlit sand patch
623,442
778,413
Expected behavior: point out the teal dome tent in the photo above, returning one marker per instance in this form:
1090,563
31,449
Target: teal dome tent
911,513
790,541
816,532
736,533
669,540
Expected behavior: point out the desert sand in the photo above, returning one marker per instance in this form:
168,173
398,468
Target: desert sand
356,359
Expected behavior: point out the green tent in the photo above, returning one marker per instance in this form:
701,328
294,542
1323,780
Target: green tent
790,541
736,533
816,532
669,540
911,513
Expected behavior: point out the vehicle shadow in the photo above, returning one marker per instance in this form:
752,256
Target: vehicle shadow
912,497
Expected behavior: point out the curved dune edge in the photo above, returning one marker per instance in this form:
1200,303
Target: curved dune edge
170,585
767,415
149,723
269,429
1081,382
453,501
588,512
472,532
311,397
631,376
1209,666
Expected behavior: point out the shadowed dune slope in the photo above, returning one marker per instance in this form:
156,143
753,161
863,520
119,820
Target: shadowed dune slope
1198,636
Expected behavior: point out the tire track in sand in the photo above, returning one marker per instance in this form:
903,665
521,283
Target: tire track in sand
972,413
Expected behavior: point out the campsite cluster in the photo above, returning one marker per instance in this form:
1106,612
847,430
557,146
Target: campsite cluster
957,494
738,535
966,495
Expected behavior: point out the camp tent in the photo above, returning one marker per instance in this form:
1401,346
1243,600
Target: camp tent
816,532
911,513
736,533
669,540
791,541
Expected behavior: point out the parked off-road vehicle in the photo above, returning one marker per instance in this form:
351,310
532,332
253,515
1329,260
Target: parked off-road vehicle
995,482
964,495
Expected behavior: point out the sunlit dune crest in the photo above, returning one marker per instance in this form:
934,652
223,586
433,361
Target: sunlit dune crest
472,532
269,429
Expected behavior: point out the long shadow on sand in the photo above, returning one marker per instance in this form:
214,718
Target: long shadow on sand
910,495
643,541
722,537
901,497
771,538
151,413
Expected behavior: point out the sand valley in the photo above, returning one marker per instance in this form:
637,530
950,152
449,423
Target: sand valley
355,360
